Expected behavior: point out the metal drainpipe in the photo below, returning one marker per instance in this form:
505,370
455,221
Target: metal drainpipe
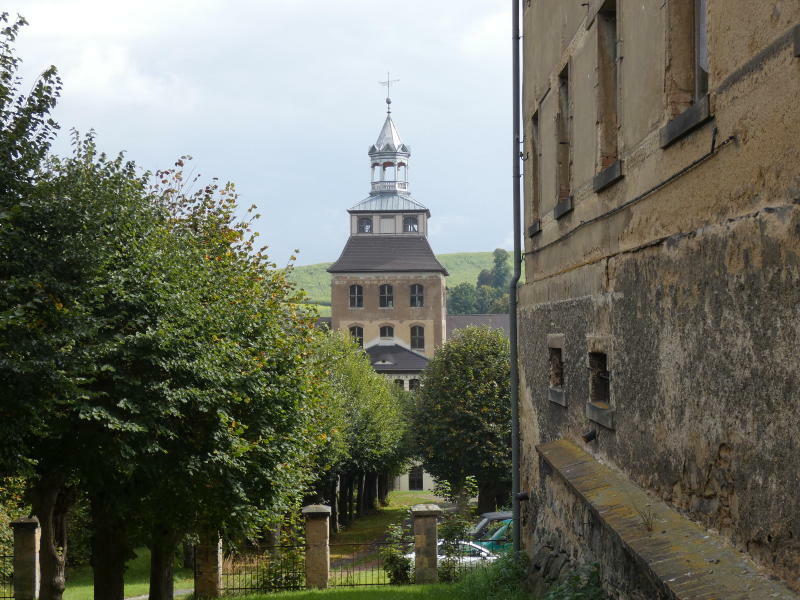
512,296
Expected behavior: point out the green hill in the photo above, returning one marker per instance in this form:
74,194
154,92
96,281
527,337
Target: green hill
463,267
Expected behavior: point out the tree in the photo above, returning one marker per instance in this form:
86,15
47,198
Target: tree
501,271
461,419
462,299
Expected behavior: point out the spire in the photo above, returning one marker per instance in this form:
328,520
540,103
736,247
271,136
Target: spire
388,135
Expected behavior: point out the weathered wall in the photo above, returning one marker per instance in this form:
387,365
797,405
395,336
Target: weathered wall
688,269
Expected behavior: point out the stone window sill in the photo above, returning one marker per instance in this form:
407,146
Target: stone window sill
556,395
608,176
535,228
601,413
686,122
563,207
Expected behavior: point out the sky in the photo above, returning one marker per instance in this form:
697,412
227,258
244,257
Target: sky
282,98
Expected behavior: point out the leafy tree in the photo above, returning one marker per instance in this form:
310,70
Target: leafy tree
462,299
501,271
485,277
461,420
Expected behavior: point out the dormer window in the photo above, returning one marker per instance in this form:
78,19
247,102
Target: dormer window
365,225
387,332
410,225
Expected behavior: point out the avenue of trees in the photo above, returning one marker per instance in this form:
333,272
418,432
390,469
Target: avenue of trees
489,294
155,362
461,418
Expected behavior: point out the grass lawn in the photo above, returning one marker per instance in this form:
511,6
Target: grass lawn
137,579
406,592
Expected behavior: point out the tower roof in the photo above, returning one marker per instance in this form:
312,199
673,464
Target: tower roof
388,139
397,202
387,254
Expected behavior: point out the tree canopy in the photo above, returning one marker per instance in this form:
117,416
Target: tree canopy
461,419
489,294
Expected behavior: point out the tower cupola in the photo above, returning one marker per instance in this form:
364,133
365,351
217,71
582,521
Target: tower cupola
388,158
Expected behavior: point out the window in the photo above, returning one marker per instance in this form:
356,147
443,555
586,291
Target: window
386,296
418,337
365,225
536,179
599,378
563,133
417,295
400,383
357,333
607,65
356,296
700,49
387,332
413,384
688,58
556,368
415,478
410,224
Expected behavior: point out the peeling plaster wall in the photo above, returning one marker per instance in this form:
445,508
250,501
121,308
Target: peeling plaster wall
696,286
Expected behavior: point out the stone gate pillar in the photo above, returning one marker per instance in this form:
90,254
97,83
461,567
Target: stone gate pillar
27,535
425,542
318,553
208,567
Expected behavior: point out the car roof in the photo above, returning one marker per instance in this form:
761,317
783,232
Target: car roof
503,514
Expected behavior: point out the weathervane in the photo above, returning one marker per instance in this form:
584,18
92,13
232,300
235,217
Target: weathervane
388,85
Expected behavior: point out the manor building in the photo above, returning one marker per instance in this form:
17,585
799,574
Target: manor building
387,287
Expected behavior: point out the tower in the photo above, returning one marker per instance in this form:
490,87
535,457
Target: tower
387,287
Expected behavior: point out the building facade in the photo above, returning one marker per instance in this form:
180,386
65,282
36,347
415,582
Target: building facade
660,318
387,287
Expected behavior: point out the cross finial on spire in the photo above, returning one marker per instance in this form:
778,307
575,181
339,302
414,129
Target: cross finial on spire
388,85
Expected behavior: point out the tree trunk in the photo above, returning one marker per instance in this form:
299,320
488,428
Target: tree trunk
344,516
360,501
187,555
50,503
487,496
370,491
333,494
110,550
162,559
383,489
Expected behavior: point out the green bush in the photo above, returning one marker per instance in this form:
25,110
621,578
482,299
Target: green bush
583,584
393,555
502,580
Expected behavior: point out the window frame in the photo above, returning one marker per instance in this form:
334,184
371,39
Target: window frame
415,225
365,220
357,333
356,295
417,335
390,331
416,295
386,295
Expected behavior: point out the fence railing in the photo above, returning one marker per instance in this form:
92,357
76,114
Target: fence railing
273,569
6,577
358,564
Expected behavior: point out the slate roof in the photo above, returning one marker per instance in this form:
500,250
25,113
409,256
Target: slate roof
390,202
395,359
387,253
492,321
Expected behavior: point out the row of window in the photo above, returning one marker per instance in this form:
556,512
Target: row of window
413,384
387,333
386,296
686,86
410,225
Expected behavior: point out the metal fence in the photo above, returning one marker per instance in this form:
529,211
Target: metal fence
6,577
456,559
359,564
274,569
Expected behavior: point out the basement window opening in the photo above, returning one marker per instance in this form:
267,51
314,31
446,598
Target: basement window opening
599,379
556,369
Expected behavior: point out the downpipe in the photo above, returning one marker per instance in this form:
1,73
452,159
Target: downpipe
516,497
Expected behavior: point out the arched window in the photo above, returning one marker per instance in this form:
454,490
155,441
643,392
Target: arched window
386,296
357,334
418,337
387,332
410,224
413,384
365,225
417,295
356,296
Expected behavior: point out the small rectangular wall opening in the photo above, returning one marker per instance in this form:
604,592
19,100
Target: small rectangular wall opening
599,379
607,67
535,170
556,368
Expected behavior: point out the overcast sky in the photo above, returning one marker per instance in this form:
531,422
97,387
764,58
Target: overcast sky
281,97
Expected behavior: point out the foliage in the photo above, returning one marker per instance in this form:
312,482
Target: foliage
458,495
12,506
285,561
461,420
397,565
462,299
583,584
79,533
489,294
453,529
501,580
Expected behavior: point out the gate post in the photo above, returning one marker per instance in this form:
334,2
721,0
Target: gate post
318,553
208,567
27,535
425,542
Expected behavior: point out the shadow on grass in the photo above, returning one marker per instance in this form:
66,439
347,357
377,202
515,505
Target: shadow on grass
137,579
406,592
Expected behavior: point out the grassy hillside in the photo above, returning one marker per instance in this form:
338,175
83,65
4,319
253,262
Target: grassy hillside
463,267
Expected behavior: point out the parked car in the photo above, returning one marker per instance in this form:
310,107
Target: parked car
469,554
487,523
500,540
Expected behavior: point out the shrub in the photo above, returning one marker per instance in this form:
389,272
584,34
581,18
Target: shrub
583,584
502,580
397,565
